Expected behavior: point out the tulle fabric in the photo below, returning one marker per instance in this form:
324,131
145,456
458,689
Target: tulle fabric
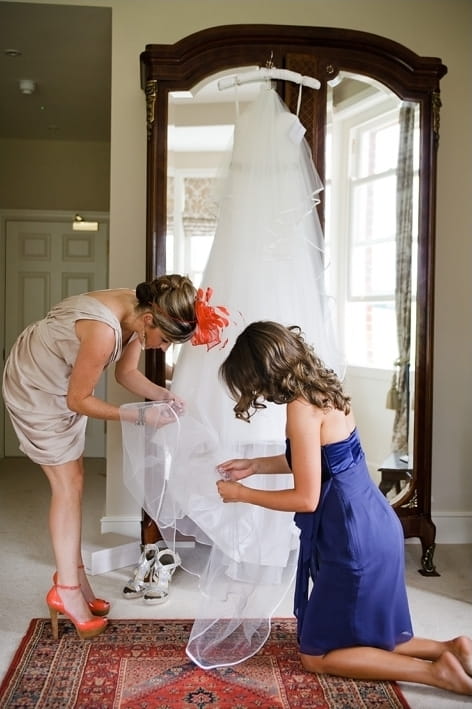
266,263
244,572
150,441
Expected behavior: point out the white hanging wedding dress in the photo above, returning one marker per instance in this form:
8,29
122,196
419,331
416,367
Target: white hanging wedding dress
266,263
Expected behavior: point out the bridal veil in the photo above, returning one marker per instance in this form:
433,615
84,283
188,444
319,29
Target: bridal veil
266,263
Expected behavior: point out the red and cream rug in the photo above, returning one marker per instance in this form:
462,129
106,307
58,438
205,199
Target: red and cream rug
141,664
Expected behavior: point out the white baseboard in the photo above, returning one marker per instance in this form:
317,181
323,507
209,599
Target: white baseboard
111,551
119,545
453,527
127,525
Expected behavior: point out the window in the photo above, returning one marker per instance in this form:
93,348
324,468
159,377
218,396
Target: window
191,222
362,155
191,225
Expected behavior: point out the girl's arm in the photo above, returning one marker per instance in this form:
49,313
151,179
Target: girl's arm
239,468
303,429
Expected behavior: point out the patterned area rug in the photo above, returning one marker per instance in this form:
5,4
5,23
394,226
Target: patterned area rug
141,664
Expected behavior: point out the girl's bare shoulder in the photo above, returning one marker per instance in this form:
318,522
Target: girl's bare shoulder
336,426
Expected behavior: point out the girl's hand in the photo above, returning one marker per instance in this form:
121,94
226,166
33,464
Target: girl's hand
236,469
230,491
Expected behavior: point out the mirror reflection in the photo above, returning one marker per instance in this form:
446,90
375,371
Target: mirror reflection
370,223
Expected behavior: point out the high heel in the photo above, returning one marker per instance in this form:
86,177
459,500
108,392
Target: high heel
98,606
85,628
138,583
164,567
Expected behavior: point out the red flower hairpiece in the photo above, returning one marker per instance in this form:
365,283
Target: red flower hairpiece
211,320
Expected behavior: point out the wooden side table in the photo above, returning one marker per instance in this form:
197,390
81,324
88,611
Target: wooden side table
394,469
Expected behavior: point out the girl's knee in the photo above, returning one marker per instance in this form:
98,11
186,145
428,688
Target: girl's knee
312,663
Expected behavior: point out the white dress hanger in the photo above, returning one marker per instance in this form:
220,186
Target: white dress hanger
266,74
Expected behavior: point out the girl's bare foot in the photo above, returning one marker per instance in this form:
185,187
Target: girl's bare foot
461,647
450,675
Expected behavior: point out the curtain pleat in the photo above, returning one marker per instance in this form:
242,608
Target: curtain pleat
404,238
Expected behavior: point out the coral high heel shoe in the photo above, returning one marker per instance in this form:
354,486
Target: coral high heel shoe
85,629
98,606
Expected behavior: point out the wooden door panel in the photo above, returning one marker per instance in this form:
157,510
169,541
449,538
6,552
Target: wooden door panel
46,262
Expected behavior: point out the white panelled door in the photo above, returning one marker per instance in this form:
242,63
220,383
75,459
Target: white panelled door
45,262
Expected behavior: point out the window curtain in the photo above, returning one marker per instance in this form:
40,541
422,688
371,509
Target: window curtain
198,215
200,211
399,396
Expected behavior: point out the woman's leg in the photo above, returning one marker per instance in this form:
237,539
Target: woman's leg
65,526
434,663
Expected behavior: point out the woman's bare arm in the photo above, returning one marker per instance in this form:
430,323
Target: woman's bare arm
97,342
131,378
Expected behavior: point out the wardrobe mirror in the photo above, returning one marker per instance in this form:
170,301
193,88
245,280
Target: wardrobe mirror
364,164
372,127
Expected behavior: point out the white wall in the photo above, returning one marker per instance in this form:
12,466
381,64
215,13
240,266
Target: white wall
438,28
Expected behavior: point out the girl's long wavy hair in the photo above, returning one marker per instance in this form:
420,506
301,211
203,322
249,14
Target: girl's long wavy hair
270,362
171,300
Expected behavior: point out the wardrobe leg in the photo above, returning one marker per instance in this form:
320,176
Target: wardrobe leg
150,532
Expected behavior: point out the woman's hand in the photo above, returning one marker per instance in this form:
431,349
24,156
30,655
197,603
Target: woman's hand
177,404
157,415
230,491
237,468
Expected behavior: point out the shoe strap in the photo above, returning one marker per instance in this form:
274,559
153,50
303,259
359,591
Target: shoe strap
67,588
165,575
173,554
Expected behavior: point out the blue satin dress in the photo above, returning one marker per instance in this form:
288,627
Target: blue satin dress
352,548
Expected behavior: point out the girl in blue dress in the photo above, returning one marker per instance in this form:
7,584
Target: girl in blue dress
355,622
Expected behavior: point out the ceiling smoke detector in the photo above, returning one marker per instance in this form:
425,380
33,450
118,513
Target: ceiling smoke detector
27,86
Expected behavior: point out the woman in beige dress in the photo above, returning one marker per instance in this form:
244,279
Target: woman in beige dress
48,389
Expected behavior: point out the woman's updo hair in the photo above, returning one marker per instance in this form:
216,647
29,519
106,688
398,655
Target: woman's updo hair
171,300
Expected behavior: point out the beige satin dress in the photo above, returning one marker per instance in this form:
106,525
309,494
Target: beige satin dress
36,379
